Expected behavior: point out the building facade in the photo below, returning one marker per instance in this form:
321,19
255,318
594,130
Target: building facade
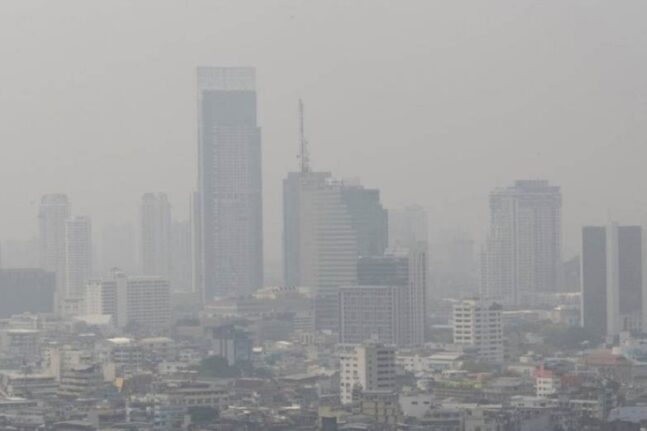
522,256
155,238
78,255
612,280
53,212
367,368
477,323
229,183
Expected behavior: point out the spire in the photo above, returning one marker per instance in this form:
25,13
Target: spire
304,155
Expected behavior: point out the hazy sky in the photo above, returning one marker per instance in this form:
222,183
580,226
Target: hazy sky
434,102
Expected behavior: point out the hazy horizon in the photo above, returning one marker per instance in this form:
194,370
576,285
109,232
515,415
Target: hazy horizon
434,103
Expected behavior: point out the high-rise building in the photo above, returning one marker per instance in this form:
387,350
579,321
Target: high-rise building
118,248
78,255
373,313
366,368
612,284
477,323
140,300
407,226
319,241
53,212
388,304
368,217
522,257
155,236
26,291
181,252
230,218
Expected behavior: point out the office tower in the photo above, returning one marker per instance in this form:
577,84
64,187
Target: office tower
78,255
373,313
477,323
319,241
229,183
367,368
53,212
181,252
611,279
368,217
407,226
523,250
118,248
455,266
389,303
26,291
155,211
19,254
130,300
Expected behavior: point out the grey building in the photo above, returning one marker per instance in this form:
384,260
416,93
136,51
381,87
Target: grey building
26,291
155,237
388,304
319,241
522,257
229,222
612,297
368,217
53,212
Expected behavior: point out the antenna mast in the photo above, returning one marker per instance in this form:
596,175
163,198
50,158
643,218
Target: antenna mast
304,156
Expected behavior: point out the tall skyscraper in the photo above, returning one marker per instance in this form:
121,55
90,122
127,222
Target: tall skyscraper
368,216
389,302
229,183
181,272
319,241
78,255
612,283
522,257
53,212
155,235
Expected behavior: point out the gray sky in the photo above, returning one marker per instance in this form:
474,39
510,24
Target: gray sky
434,102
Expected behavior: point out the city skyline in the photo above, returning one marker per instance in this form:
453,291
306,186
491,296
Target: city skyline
472,119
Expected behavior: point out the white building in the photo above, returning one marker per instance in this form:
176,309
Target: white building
477,323
368,367
523,249
78,255
142,300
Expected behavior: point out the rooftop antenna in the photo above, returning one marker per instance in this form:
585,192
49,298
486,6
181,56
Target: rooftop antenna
304,155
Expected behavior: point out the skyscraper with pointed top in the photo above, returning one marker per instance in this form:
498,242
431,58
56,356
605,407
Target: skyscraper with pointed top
228,223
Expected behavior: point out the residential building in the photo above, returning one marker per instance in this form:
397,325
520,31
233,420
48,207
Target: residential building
368,367
477,323
230,218
522,256
138,300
